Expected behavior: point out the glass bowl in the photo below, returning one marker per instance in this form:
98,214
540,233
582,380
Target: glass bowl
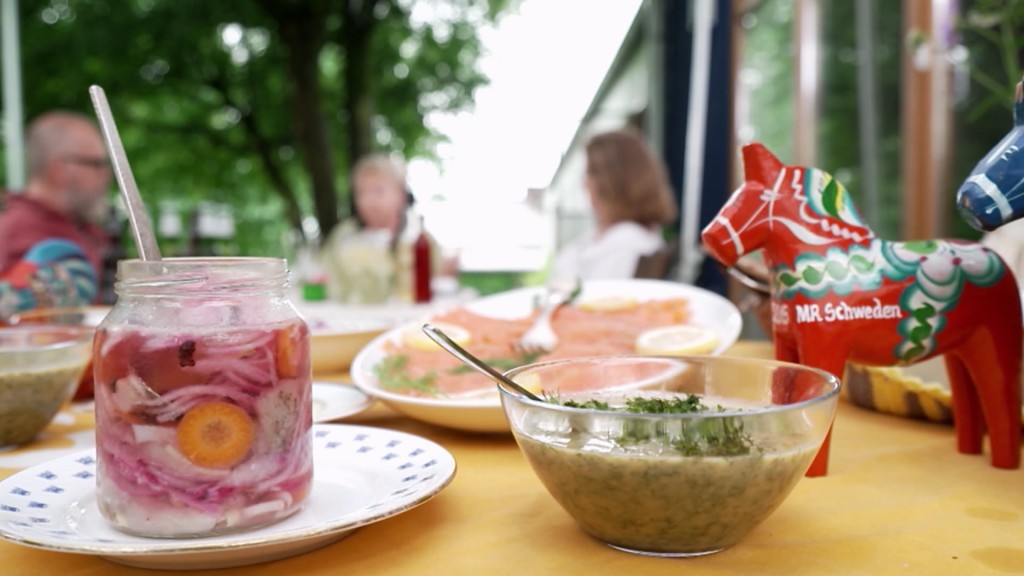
672,484
89,316
40,367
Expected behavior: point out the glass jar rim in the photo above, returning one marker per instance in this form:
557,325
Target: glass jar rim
201,274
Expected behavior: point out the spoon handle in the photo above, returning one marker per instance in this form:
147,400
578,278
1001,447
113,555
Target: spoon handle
459,352
145,241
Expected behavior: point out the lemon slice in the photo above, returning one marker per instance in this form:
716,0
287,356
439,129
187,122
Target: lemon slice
608,304
531,382
415,338
677,340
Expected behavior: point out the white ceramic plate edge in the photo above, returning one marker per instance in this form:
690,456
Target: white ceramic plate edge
337,400
280,540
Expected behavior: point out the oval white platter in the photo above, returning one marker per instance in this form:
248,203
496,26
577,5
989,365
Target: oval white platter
482,412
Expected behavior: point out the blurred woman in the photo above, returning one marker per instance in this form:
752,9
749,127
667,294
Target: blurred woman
632,200
367,258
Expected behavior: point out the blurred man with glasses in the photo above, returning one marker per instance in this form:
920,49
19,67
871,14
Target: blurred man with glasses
65,198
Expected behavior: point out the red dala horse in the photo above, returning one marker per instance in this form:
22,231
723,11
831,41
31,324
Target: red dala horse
841,294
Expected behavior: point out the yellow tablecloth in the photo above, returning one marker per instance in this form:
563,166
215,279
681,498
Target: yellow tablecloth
899,499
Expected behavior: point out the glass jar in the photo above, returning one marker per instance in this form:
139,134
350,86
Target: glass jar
203,398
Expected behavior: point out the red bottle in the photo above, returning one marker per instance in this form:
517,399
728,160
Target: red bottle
421,266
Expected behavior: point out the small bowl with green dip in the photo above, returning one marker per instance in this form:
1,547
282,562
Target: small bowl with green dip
686,466
40,366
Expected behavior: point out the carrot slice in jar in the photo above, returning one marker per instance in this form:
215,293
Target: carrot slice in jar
216,435
287,360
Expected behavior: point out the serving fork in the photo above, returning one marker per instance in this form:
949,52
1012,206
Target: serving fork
541,337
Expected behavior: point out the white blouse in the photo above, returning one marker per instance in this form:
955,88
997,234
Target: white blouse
612,254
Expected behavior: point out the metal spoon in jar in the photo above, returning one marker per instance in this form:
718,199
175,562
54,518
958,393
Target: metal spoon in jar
142,229
459,352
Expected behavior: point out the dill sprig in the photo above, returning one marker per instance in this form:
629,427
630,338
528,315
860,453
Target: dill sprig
393,374
588,404
502,364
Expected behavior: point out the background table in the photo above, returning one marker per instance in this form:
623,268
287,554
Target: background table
899,499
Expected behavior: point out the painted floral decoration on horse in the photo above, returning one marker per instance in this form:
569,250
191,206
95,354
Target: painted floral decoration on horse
841,294
934,273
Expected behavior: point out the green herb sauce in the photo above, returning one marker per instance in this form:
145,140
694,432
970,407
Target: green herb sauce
29,400
666,485
666,503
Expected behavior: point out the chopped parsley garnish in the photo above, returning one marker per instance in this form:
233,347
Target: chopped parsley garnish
704,437
676,405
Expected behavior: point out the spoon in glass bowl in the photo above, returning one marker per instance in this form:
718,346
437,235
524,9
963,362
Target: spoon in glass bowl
479,365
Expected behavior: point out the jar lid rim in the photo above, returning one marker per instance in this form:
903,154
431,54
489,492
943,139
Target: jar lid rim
200,271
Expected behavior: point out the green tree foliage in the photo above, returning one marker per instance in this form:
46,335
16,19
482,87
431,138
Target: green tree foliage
839,137
992,31
767,77
261,104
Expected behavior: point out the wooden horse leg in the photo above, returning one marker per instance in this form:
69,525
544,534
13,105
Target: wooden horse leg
819,466
967,416
1001,405
833,362
984,378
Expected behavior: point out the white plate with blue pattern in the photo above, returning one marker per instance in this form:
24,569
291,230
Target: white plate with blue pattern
361,475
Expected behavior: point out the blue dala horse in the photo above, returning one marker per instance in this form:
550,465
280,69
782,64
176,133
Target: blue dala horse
993,193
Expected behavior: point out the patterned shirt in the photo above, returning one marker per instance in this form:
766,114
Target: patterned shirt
53,274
